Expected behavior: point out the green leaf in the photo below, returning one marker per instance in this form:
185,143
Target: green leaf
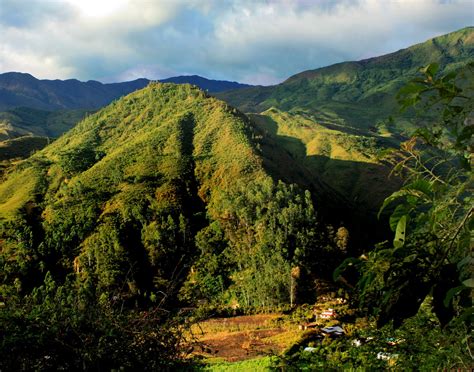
451,293
400,211
396,195
466,260
410,258
467,314
431,69
419,188
399,240
351,261
411,88
449,76
469,283
422,186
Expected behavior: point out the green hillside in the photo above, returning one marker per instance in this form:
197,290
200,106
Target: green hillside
24,120
344,162
357,94
163,187
170,205
21,147
336,119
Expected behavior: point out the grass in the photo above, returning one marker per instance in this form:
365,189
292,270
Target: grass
15,193
251,365
343,158
236,324
242,338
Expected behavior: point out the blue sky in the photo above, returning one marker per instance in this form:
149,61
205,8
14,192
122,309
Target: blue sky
257,42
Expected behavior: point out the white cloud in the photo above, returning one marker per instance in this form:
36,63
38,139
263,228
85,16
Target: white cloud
244,40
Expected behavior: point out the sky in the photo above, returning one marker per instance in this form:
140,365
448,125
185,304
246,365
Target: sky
251,41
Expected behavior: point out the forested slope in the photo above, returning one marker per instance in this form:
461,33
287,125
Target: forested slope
164,185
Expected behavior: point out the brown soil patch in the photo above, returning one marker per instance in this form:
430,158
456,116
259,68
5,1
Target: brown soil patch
238,338
240,345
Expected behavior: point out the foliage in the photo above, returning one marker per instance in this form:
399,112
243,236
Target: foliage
266,233
61,327
432,220
420,344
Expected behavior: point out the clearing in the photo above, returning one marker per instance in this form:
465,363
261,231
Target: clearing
243,337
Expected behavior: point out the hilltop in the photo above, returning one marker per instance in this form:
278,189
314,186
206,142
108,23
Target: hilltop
39,110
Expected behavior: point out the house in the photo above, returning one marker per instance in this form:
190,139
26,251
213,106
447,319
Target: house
327,314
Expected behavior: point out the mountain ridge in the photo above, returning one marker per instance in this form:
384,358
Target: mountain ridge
352,82
18,89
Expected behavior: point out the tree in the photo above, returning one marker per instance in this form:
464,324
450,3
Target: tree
432,214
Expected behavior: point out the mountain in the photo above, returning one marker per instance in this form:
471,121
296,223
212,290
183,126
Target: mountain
357,94
162,180
334,121
213,86
40,109
23,90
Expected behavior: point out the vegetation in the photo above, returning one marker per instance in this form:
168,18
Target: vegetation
62,327
419,344
170,211
336,120
430,259
169,199
257,365
432,220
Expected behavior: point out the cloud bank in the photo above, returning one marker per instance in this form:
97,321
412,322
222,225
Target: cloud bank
256,42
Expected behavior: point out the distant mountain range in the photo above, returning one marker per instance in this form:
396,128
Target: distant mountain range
24,90
336,119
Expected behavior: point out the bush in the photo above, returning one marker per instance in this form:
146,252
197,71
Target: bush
59,328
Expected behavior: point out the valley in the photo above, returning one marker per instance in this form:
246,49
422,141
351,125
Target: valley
224,226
